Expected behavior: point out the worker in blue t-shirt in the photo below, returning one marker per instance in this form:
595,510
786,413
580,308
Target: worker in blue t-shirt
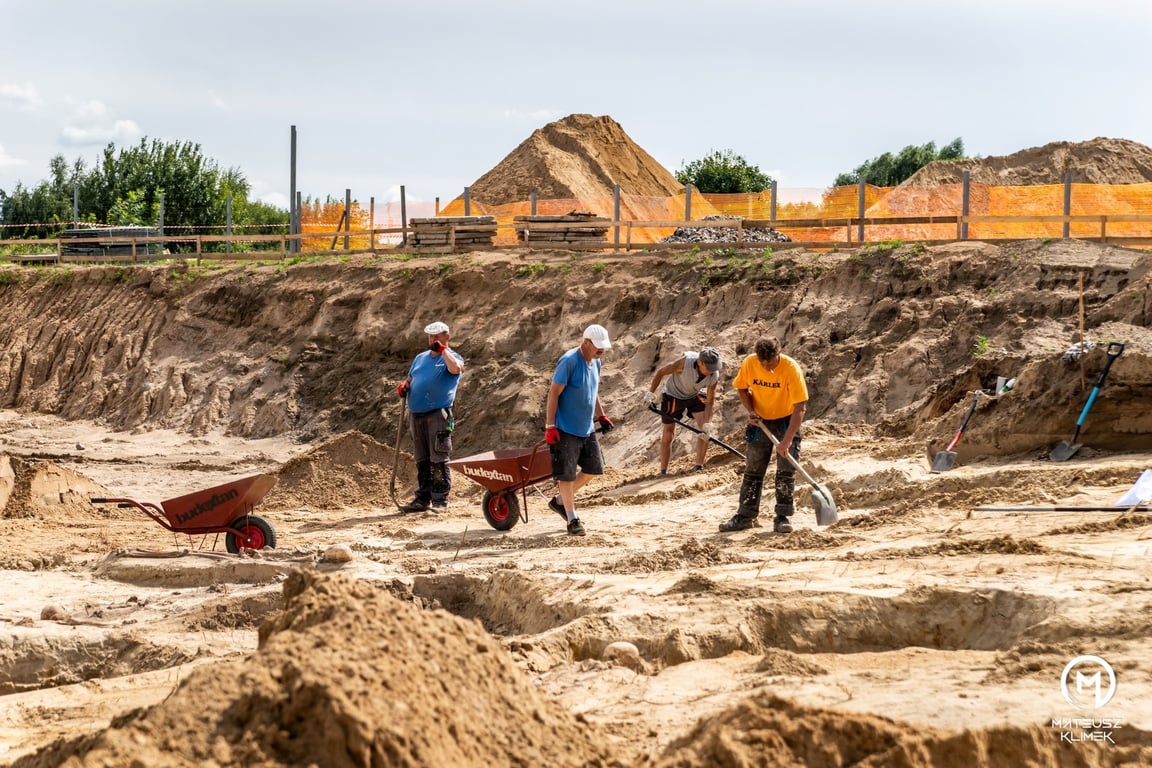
573,407
431,391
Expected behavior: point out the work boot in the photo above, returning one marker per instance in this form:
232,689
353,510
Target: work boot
782,525
738,523
416,505
557,506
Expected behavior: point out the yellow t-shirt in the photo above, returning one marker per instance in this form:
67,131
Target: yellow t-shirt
774,393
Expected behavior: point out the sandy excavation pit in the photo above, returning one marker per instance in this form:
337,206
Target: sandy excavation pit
855,619
919,630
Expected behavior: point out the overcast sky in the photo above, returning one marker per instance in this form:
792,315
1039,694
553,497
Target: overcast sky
433,94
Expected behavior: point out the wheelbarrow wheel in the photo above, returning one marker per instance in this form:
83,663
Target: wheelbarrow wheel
501,510
255,533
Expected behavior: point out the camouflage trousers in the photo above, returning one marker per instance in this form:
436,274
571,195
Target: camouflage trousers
759,453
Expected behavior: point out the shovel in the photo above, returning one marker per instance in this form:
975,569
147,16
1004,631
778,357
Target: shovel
396,452
946,459
691,428
1066,449
821,496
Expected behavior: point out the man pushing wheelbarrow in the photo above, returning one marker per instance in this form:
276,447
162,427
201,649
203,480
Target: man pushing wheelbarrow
574,454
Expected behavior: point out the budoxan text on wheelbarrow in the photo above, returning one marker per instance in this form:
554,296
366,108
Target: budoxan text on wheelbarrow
487,474
207,505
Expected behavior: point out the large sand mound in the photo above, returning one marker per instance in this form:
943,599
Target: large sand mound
580,156
1099,161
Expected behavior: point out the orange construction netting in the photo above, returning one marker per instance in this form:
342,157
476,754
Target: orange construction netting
840,203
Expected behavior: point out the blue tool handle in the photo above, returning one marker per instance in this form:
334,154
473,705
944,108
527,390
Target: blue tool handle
1112,355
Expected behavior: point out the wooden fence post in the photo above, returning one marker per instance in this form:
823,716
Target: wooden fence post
965,205
1067,203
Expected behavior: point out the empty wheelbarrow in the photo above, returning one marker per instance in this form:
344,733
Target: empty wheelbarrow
223,509
503,472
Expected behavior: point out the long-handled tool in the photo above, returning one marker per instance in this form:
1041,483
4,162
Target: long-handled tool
1136,507
946,459
1066,449
691,428
821,496
396,452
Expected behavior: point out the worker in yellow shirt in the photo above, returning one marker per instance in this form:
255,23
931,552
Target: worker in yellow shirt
772,390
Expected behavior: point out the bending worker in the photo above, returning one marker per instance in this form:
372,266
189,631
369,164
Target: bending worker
691,389
772,389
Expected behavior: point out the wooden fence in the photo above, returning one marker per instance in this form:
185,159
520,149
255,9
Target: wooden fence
619,235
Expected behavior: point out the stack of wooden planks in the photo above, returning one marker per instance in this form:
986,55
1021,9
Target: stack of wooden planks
448,233
575,229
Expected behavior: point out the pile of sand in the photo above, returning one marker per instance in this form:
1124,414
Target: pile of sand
767,731
1099,161
579,156
44,490
349,470
347,675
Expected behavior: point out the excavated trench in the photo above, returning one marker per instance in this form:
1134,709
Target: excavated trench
549,618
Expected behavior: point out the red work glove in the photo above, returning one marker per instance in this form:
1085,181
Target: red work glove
551,435
402,390
436,347
605,423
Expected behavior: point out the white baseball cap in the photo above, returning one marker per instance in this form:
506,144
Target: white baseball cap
598,335
436,327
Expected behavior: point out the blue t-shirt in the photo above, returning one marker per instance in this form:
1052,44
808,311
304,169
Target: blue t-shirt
577,404
433,385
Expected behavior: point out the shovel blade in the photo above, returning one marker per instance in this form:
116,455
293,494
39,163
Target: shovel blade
944,461
1063,451
825,506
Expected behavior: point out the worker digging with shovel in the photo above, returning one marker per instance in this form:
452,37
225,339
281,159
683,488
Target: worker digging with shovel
772,389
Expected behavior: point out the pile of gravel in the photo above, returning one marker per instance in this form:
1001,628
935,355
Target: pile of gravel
724,234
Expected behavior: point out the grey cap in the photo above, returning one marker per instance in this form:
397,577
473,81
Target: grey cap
710,358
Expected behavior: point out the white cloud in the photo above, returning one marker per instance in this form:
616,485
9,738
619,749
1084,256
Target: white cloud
92,124
24,98
7,161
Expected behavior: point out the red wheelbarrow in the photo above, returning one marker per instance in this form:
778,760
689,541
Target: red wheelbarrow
504,472
223,509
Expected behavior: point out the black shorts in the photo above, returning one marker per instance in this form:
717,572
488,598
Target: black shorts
574,453
673,408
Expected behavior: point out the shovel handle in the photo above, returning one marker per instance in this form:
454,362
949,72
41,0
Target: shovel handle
652,407
964,424
788,455
1112,355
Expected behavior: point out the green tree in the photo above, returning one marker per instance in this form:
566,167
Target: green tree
888,170
125,187
42,210
723,171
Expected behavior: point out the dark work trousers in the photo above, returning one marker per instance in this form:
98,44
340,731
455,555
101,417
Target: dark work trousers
759,454
431,448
